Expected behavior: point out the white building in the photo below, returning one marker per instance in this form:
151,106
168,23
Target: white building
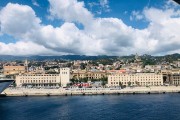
138,79
64,76
60,79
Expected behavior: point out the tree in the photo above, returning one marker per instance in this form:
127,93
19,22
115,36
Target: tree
72,80
14,84
120,84
103,83
83,66
137,83
83,79
129,83
68,84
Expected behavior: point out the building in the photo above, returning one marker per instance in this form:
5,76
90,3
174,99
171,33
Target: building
80,74
137,79
60,79
175,79
153,68
10,70
171,77
64,76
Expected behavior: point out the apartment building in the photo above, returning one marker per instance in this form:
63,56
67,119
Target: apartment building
137,79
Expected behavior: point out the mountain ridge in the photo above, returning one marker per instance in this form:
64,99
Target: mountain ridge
174,56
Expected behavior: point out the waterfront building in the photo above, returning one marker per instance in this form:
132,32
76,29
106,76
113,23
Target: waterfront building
60,79
175,79
80,74
10,70
136,79
171,77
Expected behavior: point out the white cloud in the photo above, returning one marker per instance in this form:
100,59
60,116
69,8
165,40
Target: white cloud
18,20
136,15
105,5
171,4
157,15
25,48
110,36
101,6
70,11
35,3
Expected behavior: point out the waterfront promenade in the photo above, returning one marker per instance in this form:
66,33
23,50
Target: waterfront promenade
90,91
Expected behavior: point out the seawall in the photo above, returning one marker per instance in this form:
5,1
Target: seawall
89,91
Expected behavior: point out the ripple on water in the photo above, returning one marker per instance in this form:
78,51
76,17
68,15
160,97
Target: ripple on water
107,107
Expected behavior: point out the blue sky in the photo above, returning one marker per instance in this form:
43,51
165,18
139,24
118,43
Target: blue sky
118,8
134,15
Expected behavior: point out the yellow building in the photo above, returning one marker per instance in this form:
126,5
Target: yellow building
60,79
89,74
10,70
138,79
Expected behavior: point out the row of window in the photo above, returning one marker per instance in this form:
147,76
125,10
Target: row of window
136,79
64,72
38,78
37,81
141,83
42,75
91,75
176,77
146,75
64,69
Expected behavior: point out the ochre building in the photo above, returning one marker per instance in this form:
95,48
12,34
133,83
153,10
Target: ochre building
10,70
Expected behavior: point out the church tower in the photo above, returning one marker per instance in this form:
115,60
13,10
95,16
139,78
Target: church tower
26,65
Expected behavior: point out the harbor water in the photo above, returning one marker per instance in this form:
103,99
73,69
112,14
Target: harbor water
95,107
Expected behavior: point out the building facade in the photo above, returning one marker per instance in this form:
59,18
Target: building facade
175,79
64,76
80,74
138,79
60,79
10,70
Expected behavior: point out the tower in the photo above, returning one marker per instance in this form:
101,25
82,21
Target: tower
64,76
26,65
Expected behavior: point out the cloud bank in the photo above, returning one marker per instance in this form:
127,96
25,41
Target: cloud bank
107,36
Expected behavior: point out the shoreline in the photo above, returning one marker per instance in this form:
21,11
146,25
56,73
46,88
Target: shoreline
89,91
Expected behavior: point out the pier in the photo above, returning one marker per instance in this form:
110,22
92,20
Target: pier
89,91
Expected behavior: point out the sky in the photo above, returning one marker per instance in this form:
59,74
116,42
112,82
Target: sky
89,27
